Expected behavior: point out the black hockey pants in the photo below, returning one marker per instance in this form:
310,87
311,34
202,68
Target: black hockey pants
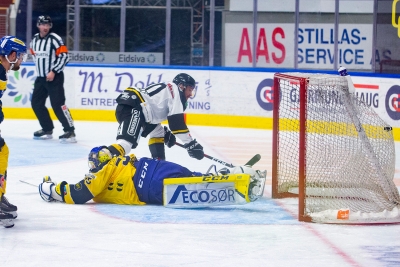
55,91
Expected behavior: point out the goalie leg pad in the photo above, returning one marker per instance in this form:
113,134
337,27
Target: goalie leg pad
149,176
205,191
257,181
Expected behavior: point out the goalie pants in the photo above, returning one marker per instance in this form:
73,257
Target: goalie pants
150,175
55,91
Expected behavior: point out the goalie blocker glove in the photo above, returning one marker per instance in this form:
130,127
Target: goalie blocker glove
50,191
169,138
194,149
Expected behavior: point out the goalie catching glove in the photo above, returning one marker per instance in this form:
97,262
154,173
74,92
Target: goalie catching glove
194,149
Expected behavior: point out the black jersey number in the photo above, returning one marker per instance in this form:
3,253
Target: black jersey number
125,162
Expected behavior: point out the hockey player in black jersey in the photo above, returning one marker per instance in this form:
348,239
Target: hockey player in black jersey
140,111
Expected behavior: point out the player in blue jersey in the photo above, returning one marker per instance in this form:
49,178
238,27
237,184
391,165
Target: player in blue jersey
12,54
127,180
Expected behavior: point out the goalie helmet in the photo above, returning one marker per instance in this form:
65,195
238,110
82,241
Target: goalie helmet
9,44
44,19
97,156
184,79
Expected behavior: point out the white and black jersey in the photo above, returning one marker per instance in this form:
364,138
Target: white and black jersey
49,53
159,102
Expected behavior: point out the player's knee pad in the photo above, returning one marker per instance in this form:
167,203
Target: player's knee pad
157,149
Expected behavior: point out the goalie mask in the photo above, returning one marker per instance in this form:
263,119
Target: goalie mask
97,156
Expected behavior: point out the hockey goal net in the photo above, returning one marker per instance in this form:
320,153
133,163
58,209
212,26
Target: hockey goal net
332,151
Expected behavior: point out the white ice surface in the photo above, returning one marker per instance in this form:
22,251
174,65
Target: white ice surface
263,233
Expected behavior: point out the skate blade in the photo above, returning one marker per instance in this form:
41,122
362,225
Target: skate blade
68,140
7,223
44,137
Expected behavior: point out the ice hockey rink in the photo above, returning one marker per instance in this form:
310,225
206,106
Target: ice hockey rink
262,233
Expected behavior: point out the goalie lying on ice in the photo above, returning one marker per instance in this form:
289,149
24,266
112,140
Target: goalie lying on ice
126,180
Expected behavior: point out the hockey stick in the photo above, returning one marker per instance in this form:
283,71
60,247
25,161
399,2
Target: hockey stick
28,183
251,162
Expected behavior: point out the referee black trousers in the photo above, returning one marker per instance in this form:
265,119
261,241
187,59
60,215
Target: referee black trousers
55,91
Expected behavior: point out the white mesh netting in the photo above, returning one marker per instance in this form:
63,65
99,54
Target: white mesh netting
348,167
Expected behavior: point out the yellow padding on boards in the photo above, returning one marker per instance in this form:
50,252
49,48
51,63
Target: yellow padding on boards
240,180
334,128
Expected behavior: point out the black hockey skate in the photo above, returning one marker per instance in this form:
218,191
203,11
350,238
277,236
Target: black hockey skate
6,220
8,208
67,137
43,135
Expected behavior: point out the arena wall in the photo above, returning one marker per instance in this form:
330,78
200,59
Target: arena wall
231,97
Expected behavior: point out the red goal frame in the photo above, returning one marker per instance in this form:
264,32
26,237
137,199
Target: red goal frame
302,142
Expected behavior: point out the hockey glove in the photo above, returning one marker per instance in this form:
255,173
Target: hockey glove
1,112
169,138
48,191
194,149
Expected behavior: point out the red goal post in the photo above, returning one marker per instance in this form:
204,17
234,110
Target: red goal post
332,151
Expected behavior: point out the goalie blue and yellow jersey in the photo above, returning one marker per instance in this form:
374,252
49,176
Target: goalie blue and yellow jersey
111,182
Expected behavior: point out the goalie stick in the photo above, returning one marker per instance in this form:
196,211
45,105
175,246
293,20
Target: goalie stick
22,181
256,158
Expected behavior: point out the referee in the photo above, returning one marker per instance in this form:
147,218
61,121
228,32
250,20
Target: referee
51,56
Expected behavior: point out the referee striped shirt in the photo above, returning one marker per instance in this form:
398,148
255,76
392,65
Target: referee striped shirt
49,53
